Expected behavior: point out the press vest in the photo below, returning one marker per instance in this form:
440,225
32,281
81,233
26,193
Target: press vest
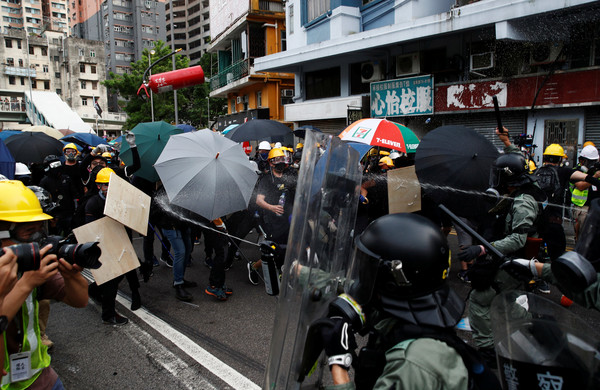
32,341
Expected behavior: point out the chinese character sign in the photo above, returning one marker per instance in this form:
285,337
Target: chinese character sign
402,97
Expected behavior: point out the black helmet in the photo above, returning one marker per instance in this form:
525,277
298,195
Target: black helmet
403,262
510,169
51,161
45,198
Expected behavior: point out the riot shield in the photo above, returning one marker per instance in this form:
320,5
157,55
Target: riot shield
319,249
541,345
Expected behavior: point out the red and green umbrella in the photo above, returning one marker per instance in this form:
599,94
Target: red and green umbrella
382,133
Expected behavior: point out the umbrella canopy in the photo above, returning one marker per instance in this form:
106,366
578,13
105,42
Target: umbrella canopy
381,132
32,147
150,138
453,165
84,139
52,132
258,130
300,132
7,162
186,128
229,128
206,173
4,134
66,131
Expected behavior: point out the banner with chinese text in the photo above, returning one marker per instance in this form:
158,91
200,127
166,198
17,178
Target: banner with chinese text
402,97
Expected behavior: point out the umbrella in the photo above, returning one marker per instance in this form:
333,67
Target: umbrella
453,165
150,138
4,134
186,128
300,132
32,147
84,139
66,131
258,130
7,162
383,133
206,173
52,132
229,128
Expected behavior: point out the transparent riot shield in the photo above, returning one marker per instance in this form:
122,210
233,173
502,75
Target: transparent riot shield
319,249
541,345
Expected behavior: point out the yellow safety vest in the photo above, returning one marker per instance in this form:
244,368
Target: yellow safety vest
578,197
32,341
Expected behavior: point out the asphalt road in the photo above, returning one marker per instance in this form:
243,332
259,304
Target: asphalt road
205,344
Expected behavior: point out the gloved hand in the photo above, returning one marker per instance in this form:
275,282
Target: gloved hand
100,149
521,269
338,340
130,138
471,252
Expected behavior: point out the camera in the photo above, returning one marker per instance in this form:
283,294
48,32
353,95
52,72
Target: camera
523,140
84,255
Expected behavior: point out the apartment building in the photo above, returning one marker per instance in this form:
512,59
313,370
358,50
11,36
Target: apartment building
34,16
190,25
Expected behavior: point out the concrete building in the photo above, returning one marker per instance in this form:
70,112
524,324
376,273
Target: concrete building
34,16
241,33
428,63
191,27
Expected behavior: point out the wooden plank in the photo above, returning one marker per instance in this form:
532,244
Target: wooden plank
127,204
118,256
404,190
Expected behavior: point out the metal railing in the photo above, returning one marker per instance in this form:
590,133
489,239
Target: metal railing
230,74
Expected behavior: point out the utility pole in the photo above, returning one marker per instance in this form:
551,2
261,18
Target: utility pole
173,60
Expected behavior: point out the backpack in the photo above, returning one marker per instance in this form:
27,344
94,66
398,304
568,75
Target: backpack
548,180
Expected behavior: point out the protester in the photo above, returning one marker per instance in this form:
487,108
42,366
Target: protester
588,162
63,190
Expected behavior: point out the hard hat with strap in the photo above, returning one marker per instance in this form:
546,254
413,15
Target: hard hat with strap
276,152
554,150
103,175
387,161
19,204
70,146
590,152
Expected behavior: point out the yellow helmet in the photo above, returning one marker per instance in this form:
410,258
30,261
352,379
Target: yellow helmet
387,161
103,175
107,155
70,146
372,152
19,204
276,152
299,145
555,150
384,153
588,143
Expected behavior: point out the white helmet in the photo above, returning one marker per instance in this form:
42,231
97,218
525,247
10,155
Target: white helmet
589,152
21,169
277,144
395,154
264,145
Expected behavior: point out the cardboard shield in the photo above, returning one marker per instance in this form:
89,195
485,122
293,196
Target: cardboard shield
317,262
404,190
118,256
127,204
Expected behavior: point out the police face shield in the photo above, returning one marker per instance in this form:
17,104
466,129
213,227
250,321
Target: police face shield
540,344
365,265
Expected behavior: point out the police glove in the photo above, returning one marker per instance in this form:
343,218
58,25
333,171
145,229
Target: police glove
521,269
100,149
471,252
338,340
130,138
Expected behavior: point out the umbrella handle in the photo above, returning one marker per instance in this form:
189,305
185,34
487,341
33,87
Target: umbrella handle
490,248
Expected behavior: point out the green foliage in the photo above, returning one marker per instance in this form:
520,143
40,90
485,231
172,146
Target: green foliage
191,101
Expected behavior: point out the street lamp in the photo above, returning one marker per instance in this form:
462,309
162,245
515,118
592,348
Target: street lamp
151,96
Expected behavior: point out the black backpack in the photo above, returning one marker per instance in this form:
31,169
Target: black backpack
548,180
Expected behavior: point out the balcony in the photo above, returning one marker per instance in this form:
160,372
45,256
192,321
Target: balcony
230,74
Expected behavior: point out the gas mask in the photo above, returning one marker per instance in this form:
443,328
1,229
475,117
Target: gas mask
70,155
263,156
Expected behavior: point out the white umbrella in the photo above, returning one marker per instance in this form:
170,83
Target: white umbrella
206,173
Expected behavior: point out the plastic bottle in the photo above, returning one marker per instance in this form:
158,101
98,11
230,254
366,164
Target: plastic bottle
282,199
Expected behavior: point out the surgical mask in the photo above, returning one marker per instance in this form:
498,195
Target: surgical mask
263,156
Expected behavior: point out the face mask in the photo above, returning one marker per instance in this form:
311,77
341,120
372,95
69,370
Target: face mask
280,167
264,156
70,156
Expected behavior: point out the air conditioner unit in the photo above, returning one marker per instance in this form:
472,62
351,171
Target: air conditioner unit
545,53
482,61
408,64
288,93
239,100
370,71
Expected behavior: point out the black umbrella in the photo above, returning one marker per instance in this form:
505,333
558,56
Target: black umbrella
32,147
259,130
300,132
453,166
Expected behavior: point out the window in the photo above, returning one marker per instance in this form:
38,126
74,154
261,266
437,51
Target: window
22,80
18,44
57,75
12,80
10,61
33,84
92,53
283,41
93,68
323,83
46,84
58,91
82,68
316,8
45,68
291,18
44,51
94,85
20,62
233,108
258,99
84,101
31,50
56,58
81,53
83,84
8,43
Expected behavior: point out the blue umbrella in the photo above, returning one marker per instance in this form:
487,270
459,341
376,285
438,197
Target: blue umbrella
4,134
362,149
186,128
7,162
84,139
229,128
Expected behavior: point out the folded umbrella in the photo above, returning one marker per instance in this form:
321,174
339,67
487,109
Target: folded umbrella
259,130
33,147
206,173
150,138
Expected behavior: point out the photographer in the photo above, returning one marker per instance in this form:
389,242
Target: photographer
22,222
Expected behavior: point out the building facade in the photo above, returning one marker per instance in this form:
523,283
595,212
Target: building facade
428,63
191,27
34,16
241,33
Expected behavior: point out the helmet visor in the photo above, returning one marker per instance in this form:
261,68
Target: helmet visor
362,281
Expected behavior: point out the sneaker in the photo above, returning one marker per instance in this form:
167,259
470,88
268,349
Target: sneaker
155,262
116,320
542,287
208,262
227,290
197,242
216,292
462,275
168,261
182,294
252,274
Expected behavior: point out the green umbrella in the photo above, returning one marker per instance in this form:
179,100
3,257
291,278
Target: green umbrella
150,138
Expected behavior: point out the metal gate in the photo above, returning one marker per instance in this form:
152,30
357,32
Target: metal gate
486,124
592,125
564,132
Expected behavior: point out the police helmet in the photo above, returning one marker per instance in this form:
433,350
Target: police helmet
510,169
51,162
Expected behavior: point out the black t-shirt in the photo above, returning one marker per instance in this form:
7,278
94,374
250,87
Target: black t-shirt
63,193
94,208
272,187
74,172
